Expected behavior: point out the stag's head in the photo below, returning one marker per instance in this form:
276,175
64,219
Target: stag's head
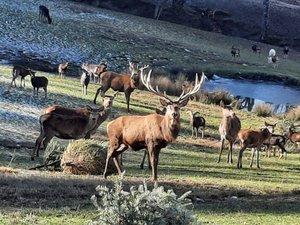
135,72
101,68
172,106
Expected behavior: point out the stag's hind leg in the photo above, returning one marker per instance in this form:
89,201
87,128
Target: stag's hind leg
221,149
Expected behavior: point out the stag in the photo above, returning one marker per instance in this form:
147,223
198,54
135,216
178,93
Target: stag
293,136
152,132
120,82
228,128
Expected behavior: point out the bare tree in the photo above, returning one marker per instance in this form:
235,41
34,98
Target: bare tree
265,25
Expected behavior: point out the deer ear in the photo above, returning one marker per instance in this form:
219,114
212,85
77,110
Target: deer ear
184,102
234,103
164,102
116,94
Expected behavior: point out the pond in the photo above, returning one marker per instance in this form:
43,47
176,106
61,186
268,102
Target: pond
252,92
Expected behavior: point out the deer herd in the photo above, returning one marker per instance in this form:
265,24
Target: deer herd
150,132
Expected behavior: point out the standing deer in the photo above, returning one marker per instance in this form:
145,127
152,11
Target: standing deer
152,132
71,123
228,128
252,139
62,68
196,122
293,136
120,82
22,72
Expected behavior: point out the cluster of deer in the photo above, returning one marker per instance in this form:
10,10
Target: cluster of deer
36,81
151,132
230,130
272,58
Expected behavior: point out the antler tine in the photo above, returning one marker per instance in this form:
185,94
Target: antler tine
197,87
146,82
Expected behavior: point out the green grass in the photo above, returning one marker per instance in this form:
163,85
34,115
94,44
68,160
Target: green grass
222,193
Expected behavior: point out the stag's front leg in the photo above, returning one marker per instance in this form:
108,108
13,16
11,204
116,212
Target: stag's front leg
252,156
229,157
257,156
127,96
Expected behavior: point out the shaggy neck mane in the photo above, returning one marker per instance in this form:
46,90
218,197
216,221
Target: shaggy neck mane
170,130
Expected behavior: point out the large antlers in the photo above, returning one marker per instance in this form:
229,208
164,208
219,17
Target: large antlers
197,87
198,84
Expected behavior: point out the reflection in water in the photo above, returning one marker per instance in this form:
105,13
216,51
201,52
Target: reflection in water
251,93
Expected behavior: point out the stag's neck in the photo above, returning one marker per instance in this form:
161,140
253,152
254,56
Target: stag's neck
170,129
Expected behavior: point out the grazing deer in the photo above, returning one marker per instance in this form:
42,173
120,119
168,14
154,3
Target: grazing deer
22,72
274,141
152,132
120,82
62,68
196,122
44,14
228,128
252,139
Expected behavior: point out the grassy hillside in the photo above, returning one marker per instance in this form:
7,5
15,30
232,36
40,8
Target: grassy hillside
222,194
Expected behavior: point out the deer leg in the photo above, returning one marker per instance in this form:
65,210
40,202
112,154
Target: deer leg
257,157
252,156
143,160
97,93
45,90
283,151
229,157
221,149
192,131
203,132
240,157
127,96
37,146
197,130
154,157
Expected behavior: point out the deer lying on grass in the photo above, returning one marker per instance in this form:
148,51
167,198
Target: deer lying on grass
120,82
68,123
44,14
196,122
22,72
252,139
228,128
152,132
62,68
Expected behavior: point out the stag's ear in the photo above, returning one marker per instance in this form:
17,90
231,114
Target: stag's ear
222,104
164,102
184,102
234,103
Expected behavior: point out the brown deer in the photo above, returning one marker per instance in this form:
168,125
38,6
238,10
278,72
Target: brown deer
252,139
64,127
22,72
62,68
120,82
94,70
66,116
293,136
228,128
152,132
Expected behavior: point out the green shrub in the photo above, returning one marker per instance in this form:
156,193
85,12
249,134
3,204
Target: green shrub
263,110
141,206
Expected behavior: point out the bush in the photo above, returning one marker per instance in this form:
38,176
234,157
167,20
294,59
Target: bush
140,206
86,157
263,110
293,114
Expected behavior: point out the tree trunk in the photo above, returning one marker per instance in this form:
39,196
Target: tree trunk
265,25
